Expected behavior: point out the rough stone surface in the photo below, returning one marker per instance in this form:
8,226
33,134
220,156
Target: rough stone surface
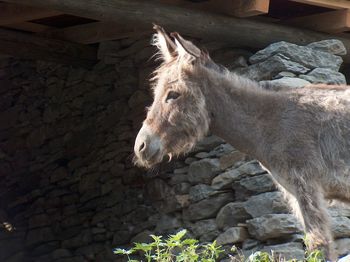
340,226
232,214
343,246
324,75
273,226
203,171
306,56
232,235
333,46
265,70
253,185
204,227
200,192
266,203
207,208
225,180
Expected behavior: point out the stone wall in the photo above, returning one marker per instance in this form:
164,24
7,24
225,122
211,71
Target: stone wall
70,192
69,187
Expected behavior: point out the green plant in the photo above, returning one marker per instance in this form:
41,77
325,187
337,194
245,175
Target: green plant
177,249
315,256
174,248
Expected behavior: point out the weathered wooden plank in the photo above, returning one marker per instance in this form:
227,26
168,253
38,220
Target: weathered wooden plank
96,32
29,46
333,4
239,8
245,8
13,13
241,32
330,22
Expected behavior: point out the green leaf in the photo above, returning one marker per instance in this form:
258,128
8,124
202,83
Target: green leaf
178,235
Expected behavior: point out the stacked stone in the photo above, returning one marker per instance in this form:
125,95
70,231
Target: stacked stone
69,190
286,65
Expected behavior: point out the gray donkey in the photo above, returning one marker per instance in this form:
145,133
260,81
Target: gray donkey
300,136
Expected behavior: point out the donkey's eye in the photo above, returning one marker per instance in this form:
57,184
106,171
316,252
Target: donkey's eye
172,95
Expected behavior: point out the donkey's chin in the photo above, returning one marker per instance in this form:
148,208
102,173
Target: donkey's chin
149,163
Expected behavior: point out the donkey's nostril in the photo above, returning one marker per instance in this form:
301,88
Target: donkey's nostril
142,147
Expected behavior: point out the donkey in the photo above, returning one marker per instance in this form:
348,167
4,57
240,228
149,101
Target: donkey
300,136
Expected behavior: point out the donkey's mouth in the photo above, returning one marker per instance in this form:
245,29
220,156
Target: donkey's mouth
149,161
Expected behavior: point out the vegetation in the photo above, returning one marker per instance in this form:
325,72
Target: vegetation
177,249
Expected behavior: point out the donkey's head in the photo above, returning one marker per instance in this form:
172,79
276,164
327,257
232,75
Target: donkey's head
178,117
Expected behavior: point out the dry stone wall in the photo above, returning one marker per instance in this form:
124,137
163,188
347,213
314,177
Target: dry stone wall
70,192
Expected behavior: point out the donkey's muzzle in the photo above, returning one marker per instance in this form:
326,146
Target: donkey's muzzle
147,147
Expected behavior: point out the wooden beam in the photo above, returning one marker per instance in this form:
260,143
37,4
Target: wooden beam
240,32
29,46
239,8
29,27
333,4
13,13
96,32
245,8
331,22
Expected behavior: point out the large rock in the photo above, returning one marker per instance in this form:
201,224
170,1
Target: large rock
273,226
225,180
288,251
333,46
265,70
200,192
203,171
306,56
253,185
204,227
166,223
251,168
207,208
340,227
232,235
283,83
266,203
338,209
342,246
231,214
324,75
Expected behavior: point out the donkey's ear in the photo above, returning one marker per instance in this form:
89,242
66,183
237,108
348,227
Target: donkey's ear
165,45
185,47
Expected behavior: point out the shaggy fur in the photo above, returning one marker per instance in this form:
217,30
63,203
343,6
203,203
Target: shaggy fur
300,136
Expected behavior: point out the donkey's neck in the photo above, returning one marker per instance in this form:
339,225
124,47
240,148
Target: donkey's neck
240,110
